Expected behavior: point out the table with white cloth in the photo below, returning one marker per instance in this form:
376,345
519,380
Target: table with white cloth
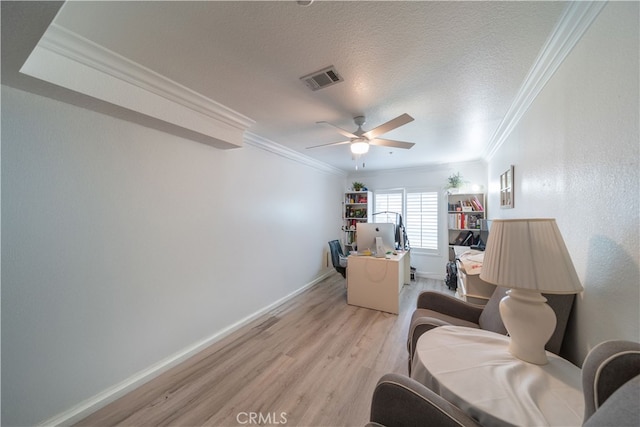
473,369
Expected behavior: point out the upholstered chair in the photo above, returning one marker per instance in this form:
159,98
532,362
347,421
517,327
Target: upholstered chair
610,382
606,372
435,309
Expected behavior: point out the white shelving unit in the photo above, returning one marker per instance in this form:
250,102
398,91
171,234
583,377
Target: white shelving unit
466,212
357,207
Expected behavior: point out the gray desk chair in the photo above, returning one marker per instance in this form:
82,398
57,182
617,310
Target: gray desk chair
610,382
435,309
338,259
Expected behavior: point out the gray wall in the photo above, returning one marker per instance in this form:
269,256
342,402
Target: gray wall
576,159
123,247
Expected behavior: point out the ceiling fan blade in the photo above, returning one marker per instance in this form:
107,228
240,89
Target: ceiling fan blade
388,126
340,130
391,143
329,144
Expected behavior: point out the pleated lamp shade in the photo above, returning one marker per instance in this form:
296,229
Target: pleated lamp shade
529,254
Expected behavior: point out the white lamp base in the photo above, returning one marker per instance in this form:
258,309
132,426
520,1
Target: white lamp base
530,323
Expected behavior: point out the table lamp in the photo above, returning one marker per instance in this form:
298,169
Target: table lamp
529,257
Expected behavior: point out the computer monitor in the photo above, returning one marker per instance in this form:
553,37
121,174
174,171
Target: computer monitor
367,232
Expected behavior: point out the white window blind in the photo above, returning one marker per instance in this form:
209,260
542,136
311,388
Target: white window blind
387,202
422,219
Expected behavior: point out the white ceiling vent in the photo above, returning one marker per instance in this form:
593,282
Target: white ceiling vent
321,79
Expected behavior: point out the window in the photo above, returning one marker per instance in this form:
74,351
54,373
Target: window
421,221
419,210
387,202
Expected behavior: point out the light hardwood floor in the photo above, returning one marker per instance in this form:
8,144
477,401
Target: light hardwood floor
313,361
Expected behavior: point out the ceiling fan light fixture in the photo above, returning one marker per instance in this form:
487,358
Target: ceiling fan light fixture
359,147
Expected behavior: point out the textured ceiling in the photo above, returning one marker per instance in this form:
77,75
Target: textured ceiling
454,66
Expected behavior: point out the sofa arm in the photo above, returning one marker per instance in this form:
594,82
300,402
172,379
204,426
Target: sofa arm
401,401
607,367
450,306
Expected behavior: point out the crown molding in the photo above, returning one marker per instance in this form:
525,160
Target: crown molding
432,167
575,21
67,59
280,150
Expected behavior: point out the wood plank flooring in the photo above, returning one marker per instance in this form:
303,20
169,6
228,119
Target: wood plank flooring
312,361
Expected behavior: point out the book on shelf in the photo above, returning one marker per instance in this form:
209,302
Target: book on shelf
477,205
472,204
464,220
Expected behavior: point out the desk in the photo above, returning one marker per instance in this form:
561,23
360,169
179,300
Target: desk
474,370
376,282
471,287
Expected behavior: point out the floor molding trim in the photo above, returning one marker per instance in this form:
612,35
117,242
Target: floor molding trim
87,407
430,275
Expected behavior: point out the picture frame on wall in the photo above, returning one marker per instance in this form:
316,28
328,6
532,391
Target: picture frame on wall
506,189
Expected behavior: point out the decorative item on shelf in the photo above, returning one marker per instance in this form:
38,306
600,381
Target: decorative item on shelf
529,257
506,189
358,186
454,182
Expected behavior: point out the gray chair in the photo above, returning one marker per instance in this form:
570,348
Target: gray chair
435,309
610,382
337,258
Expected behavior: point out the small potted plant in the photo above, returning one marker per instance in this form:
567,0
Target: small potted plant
358,186
454,182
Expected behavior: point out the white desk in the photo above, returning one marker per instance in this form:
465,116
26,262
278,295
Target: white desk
376,282
471,287
474,370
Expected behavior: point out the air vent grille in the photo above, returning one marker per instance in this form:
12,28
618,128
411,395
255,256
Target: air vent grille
321,79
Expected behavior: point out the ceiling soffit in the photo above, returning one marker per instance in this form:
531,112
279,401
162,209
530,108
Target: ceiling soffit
66,59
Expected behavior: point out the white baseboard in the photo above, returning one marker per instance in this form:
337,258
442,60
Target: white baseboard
100,400
430,275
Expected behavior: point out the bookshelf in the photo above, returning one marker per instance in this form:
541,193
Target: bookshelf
357,207
466,217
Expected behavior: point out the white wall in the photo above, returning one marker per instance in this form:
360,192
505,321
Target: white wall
576,159
123,246
432,178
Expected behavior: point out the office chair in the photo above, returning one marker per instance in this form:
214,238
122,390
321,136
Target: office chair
338,259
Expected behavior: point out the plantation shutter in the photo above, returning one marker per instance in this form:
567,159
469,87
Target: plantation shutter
422,219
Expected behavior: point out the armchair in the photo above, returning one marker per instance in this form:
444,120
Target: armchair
401,401
610,381
437,309
612,368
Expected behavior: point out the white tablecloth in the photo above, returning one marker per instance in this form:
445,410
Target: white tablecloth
474,370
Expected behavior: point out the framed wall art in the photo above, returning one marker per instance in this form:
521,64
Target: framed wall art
506,189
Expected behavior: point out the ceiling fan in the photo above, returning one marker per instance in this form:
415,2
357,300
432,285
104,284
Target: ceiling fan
361,140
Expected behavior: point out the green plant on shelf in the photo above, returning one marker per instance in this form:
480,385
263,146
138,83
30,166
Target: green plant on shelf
454,181
357,186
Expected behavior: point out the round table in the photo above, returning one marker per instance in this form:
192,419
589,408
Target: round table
474,370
